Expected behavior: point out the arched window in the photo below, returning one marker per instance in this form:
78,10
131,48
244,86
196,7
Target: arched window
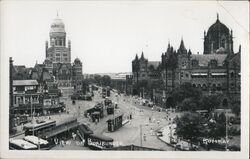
223,42
204,87
232,74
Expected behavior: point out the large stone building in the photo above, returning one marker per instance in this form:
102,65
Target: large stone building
58,58
217,70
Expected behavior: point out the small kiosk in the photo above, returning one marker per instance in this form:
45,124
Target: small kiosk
110,109
115,122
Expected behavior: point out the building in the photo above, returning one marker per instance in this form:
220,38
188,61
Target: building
26,96
217,70
58,57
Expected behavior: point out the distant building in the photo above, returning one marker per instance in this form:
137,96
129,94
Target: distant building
217,70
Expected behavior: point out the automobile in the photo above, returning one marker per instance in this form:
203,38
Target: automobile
159,133
150,104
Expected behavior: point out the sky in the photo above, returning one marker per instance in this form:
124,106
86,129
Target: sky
106,35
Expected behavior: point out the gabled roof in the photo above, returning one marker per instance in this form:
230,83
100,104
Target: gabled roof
25,82
205,59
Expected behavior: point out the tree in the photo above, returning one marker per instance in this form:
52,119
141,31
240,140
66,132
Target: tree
85,86
189,104
210,102
186,90
236,108
217,127
98,79
189,127
106,80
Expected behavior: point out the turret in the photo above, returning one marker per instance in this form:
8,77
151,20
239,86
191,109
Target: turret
46,49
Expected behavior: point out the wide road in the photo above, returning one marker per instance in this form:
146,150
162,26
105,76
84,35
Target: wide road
131,133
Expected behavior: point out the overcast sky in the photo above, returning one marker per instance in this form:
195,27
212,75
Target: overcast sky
107,35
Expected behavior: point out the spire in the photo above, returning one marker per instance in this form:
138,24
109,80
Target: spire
136,57
168,44
142,55
182,49
217,16
182,46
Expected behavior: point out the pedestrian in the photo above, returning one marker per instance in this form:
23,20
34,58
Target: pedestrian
144,137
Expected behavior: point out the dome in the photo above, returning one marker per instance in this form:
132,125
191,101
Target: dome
57,26
218,27
77,61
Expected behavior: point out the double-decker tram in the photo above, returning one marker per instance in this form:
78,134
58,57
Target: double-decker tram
35,128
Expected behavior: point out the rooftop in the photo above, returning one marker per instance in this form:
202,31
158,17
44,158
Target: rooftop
25,83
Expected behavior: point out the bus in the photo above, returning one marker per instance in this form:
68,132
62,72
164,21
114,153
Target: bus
37,127
20,144
99,142
40,143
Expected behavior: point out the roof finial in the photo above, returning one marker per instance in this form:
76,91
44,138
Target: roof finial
217,16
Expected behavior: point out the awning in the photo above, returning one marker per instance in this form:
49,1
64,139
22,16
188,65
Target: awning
219,74
199,74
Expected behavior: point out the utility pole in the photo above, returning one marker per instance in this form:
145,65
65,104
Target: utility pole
141,135
31,116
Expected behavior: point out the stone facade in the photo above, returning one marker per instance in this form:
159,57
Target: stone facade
58,57
217,70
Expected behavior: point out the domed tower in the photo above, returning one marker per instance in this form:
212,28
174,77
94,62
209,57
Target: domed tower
77,69
58,52
218,39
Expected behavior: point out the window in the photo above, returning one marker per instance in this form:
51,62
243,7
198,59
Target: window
181,74
58,54
57,59
186,75
232,74
194,63
223,43
184,63
213,63
64,54
65,59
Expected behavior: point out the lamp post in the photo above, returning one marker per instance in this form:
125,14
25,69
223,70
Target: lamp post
31,114
226,146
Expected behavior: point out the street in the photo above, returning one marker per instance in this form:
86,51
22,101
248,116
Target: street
138,131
